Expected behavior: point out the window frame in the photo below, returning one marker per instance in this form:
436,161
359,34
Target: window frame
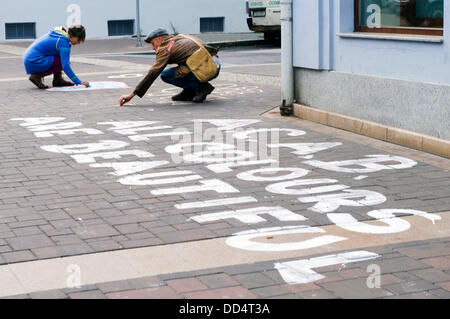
116,23
394,30
20,24
210,20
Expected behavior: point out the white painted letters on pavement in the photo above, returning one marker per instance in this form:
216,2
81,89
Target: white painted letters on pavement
301,271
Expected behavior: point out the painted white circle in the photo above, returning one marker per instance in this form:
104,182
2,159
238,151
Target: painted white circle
125,76
250,175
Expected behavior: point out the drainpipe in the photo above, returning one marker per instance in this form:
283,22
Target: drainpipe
287,69
138,25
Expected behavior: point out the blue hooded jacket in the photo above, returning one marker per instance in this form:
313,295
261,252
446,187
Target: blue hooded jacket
40,55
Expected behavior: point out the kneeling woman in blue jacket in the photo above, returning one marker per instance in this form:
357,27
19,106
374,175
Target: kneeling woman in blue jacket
51,55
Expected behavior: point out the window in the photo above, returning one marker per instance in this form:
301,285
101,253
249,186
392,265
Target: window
120,27
400,16
20,31
212,24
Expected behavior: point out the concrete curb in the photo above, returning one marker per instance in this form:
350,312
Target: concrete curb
385,133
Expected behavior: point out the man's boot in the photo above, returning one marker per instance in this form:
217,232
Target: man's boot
37,80
186,95
58,80
204,90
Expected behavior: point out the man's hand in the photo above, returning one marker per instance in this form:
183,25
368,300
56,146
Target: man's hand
125,99
85,83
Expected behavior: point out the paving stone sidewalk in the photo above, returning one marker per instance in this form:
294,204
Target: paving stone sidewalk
415,270
54,204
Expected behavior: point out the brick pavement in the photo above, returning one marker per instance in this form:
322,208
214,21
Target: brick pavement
418,270
53,205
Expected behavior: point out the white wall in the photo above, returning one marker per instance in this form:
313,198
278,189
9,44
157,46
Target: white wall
403,84
317,46
183,14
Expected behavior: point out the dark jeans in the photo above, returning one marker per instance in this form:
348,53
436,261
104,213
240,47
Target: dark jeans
55,67
188,82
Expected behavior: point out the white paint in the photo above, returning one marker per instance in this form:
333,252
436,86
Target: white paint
295,172
229,124
127,168
213,153
282,188
59,126
251,215
213,156
30,121
215,185
146,137
198,146
387,216
103,145
246,134
243,240
361,177
370,164
145,179
226,167
90,158
89,131
122,125
92,86
331,202
125,76
136,130
306,148
133,127
301,271
217,202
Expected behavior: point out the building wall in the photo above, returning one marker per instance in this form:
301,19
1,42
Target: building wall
402,83
184,15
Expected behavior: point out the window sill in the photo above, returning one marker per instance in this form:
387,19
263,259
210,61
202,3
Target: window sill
393,37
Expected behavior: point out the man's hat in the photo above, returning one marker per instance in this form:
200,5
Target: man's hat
156,33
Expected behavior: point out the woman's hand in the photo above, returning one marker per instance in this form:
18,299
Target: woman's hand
125,99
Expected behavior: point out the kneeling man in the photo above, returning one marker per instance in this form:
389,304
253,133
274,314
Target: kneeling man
175,49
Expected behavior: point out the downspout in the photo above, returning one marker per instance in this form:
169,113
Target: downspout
287,68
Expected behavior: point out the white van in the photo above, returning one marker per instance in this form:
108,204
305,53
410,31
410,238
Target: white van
264,16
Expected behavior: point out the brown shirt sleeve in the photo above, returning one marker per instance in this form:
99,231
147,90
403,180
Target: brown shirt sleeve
162,59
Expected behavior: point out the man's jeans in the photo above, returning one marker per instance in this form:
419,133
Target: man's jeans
187,82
